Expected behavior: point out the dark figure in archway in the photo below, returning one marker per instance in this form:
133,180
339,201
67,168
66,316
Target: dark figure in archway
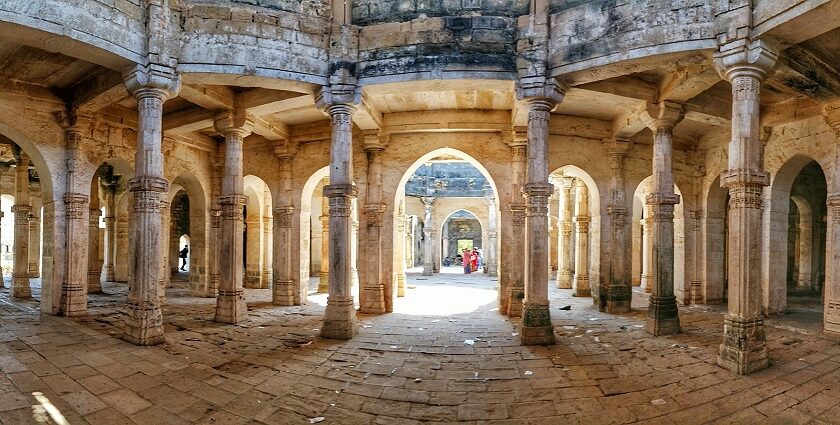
183,256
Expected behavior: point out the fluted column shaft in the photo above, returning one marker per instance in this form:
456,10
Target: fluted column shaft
744,347
580,283
230,304
94,262
373,293
564,274
616,297
516,292
324,274
428,232
283,290
21,210
340,315
663,318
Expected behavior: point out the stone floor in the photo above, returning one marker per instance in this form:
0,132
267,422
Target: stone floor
445,356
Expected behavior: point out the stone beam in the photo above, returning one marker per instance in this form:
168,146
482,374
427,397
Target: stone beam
708,109
270,129
806,20
18,91
260,102
624,86
367,116
628,124
807,74
187,120
209,97
786,112
687,82
100,90
119,116
446,121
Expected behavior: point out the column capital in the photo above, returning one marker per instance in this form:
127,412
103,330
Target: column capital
538,189
516,137
375,141
338,97
663,116
427,201
831,115
286,149
152,80
233,123
373,214
662,199
740,177
540,93
339,190
755,58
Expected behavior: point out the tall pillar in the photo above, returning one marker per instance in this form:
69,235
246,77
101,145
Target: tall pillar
21,209
615,297
744,347
340,315
663,317
215,247
400,251
564,274
696,284
516,291
324,275
580,284
647,250
165,235
94,276
490,260
267,221
283,290
831,320
230,304
428,231
536,318
151,85
2,279
110,231
373,293
35,238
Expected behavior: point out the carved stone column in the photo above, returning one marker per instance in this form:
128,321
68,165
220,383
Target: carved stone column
519,156
324,275
94,284
340,315
399,249
428,231
564,274
647,249
580,284
744,348
490,260
230,304
536,318
831,114
616,297
21,210
151,85
285,284
696,284
267,221
110,253
354,244
215,247
373,292
2,279
663,318
35,239
166,235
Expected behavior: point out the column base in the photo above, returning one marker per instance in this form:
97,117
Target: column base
73,300
213,286
744,348
144,325
696,295
323,283
427,270
230,306
536,325
515,302
94,285
109,274
339,319
580,287
831,318
663,316
400,284
564,280
618,299
372,300
283,293
20,286
491,272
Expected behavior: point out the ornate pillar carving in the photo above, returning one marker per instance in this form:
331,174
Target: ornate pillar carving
166,236
94,262
215,245
616,297
536,319
564,274
663,318
324,275
110,252
285,284
400,251
744,64
519,156
831,114
373,292
21,210
267,271
580,284
230,304
151,85
340,316
35,238
647,249
490,260
428,231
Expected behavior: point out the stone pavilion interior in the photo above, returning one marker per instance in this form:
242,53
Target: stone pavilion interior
419,212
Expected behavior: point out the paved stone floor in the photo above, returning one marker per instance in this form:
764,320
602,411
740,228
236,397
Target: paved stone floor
446,356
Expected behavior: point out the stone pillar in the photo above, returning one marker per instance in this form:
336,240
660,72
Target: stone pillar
804,241
21,209
166,236
373,293
428,231
663,317
564,274
490,260
340,315
215,247
35,239
267,222
553,243
536,318
647,249
516,291
831,114
94,284
580,284
696,284
110,252
354,244
151,85
324,275
616,297
744,347
283,290
230,304
400,251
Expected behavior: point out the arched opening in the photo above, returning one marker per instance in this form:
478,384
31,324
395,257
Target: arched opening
577,202
795,250
716,278
643,252
184,253
446,202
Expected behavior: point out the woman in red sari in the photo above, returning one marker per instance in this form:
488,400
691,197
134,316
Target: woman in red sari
467,261
474,260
